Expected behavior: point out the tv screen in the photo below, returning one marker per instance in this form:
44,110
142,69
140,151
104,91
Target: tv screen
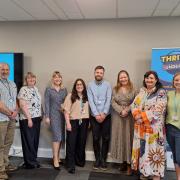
15,61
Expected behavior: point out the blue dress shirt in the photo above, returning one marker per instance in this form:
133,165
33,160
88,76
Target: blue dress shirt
99,97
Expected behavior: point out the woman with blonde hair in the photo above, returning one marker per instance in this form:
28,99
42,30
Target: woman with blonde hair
30,119
173,122
122,122
54,98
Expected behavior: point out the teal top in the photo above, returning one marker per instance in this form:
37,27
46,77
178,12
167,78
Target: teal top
173,109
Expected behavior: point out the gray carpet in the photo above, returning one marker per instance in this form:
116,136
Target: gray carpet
46,172
110,176
35,174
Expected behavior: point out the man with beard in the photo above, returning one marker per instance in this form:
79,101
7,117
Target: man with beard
8,113
99,96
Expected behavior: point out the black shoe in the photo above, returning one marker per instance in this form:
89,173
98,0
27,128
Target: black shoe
71,170
29,166
80,164
96,165
103,165
37,165
57,168
123,167
61,163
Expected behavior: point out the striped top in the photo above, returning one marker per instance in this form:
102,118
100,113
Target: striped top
8,94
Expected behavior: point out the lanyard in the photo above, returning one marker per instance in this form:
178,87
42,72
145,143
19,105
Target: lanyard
82,109
7,87
175,103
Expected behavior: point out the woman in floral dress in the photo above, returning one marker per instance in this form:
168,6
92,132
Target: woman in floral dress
122,121
148,109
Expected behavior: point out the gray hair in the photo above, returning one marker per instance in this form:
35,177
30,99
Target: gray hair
3,63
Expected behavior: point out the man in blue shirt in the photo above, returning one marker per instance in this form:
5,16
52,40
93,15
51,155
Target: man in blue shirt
99,97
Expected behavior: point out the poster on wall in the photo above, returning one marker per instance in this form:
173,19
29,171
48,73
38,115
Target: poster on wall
166,62
15,62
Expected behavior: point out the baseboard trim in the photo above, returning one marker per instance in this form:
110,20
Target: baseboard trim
47,153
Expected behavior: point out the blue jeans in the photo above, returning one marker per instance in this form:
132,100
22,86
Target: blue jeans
173,138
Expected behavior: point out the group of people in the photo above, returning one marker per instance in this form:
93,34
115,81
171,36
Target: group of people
131,124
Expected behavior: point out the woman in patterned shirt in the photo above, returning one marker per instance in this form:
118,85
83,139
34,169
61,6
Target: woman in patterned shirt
148,109
54,98
30,119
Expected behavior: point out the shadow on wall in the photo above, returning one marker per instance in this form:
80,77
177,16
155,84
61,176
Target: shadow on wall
140,70
27,63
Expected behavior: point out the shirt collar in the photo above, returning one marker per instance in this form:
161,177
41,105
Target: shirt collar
4,80
98,83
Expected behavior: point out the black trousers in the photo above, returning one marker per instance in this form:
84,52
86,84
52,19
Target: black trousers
76,143
30,140
101,130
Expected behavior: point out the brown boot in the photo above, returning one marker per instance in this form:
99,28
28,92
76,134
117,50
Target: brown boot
11,168
3,175
123,167
129,170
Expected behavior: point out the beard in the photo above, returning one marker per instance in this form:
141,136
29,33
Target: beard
98,78
4,76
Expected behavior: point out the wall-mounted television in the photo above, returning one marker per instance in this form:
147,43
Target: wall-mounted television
15,61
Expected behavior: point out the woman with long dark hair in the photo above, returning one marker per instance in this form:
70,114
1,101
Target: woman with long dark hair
76,111
148,109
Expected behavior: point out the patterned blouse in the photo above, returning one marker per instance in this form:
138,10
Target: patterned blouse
33,99
148,154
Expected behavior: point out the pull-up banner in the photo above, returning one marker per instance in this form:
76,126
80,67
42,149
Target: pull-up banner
166,62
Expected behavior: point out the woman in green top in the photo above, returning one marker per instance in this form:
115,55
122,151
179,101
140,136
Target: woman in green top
173,122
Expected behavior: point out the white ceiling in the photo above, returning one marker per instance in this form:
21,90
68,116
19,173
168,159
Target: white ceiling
25,10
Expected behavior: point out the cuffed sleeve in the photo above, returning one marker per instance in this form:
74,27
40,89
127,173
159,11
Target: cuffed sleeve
22,94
